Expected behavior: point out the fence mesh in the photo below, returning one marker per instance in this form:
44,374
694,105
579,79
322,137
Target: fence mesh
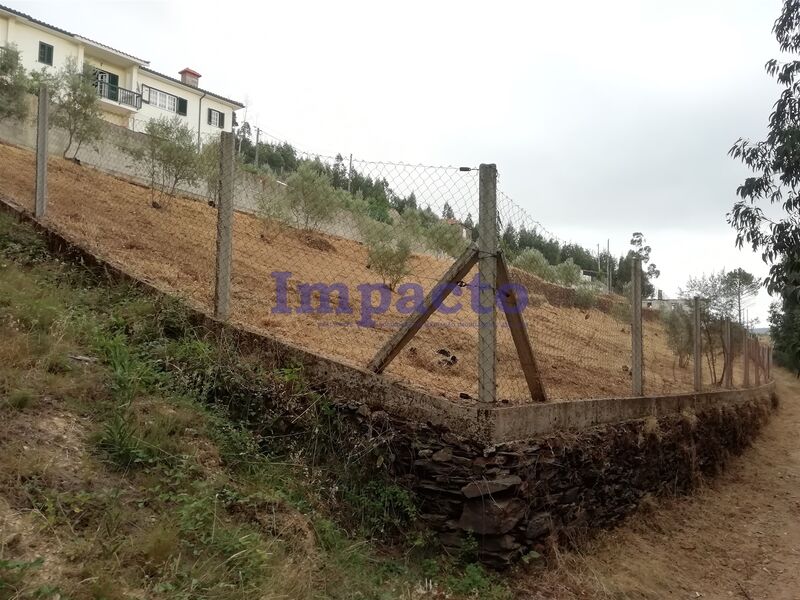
334,254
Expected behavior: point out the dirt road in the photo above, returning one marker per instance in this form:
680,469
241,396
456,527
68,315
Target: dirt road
737,538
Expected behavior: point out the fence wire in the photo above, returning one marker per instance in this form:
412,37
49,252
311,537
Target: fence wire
334,254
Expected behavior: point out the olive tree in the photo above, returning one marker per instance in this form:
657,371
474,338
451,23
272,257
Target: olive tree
311,197
76,105
167,155
13,85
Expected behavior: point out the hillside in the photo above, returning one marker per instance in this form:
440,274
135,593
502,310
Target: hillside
126,473
582,353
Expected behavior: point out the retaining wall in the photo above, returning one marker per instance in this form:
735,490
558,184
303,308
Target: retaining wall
518,478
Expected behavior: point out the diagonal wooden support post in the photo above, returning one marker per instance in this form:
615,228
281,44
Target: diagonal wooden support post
457,271
519,333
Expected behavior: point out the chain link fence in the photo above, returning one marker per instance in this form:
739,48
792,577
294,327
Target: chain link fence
378,265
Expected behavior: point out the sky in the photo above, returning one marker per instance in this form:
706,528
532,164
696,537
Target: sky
603,118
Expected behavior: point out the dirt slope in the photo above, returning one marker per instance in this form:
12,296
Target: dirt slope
582,353
738,538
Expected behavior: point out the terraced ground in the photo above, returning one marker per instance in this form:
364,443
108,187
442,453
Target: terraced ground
581,353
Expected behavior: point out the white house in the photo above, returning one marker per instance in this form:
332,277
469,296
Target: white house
131,93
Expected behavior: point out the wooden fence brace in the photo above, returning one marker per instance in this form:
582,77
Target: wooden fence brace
519,333
698,347
457,271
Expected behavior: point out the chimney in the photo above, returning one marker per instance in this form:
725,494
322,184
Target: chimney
190,77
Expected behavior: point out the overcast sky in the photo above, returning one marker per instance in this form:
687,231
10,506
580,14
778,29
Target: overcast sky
603,118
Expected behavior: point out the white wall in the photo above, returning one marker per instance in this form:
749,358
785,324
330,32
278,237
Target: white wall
26,38
195,108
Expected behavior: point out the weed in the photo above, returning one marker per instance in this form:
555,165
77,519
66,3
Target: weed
120,444
20,399
475,582
13,574
382,507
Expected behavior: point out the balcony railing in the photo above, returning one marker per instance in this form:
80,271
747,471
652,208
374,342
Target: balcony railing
118,94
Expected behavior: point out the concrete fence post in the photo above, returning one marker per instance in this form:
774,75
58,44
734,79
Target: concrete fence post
487,267
636,329
227,166
728,354
42,125
757,360
769,363
746,359
698,347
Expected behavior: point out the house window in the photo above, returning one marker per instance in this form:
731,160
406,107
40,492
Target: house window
216,118
45,53
164,100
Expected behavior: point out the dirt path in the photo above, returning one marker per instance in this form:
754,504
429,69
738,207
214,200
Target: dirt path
738,538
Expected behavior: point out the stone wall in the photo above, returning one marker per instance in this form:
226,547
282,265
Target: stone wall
514,498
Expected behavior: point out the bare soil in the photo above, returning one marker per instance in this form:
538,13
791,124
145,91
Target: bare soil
738,538
581,353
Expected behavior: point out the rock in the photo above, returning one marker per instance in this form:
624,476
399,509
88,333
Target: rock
443,455
539,525
491,517
464,396
500,543
484,487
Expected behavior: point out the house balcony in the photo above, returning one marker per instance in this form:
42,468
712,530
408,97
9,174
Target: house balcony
118,100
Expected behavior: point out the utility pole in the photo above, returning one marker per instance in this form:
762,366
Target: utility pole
608,264
258,131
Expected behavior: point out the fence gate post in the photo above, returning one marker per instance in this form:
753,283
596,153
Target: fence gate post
487,265
40,204
728,355
698,347
222,288
636,328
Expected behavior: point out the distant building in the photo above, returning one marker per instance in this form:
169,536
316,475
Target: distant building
131,93
465,232
661,303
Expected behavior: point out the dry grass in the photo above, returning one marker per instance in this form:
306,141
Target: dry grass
582,353
739,537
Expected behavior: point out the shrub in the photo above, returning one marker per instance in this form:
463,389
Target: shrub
533,261
13,86
585,297
168,155
678,324
390,259
568,273
76,105
621,311
446,238
311,197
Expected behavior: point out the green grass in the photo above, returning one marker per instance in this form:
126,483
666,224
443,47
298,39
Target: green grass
197,469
